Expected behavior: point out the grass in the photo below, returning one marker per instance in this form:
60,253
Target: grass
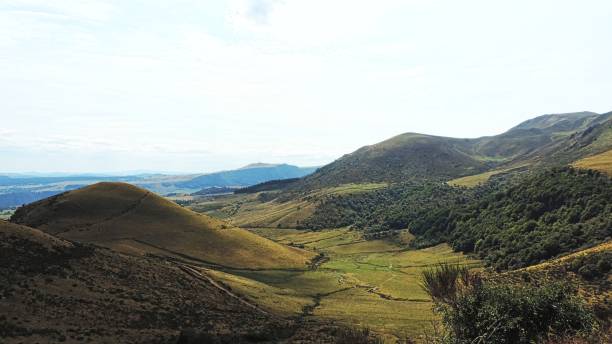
373,284
247,210
135,221
477,179
607,246
473,181
600,162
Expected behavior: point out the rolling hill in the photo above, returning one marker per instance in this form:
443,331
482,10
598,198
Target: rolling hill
133,220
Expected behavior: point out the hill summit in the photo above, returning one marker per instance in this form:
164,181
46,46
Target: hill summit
133,220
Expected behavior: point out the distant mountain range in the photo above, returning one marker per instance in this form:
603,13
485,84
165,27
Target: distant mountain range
16,190
246,176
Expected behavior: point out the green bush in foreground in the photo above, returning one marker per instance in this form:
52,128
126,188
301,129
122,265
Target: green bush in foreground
480,311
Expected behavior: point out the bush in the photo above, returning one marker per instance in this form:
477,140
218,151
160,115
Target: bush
480,311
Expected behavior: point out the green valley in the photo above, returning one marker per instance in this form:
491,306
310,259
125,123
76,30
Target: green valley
362,283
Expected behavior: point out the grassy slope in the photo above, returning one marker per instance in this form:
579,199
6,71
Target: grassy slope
482,178
133,220
402,157
366,283
585,138
598,292
54,291
247,210
600,162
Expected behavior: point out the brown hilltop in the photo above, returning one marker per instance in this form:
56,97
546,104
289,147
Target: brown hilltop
133,220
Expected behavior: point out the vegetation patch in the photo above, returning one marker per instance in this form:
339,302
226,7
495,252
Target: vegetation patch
511,223
475,309
600,162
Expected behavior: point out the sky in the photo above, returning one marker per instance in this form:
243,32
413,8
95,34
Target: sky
200,86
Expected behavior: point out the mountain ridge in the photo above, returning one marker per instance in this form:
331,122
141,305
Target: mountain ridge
420,156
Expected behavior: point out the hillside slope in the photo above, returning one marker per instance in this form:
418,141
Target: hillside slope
403,157
133,220
56,291
600,162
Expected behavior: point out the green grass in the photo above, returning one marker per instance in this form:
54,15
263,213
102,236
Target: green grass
372,284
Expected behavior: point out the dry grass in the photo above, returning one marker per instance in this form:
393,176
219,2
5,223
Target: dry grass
247,210
478,179
132,220
600,162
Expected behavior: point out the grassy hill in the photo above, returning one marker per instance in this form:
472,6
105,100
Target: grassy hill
549,139
403,157
133,220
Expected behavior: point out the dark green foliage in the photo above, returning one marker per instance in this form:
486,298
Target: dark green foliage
592,266
509,224
552,212
517,314
414,205
482,311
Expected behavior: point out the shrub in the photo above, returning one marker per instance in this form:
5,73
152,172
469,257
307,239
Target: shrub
480,311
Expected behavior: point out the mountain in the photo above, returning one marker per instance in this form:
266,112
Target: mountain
548,139
132,220
402,157
246,176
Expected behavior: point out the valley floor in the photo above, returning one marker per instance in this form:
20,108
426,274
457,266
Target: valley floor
373,284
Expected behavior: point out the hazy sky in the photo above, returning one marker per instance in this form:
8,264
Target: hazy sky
193,85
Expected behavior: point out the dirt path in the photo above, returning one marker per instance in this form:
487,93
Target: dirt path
308,310
197,273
